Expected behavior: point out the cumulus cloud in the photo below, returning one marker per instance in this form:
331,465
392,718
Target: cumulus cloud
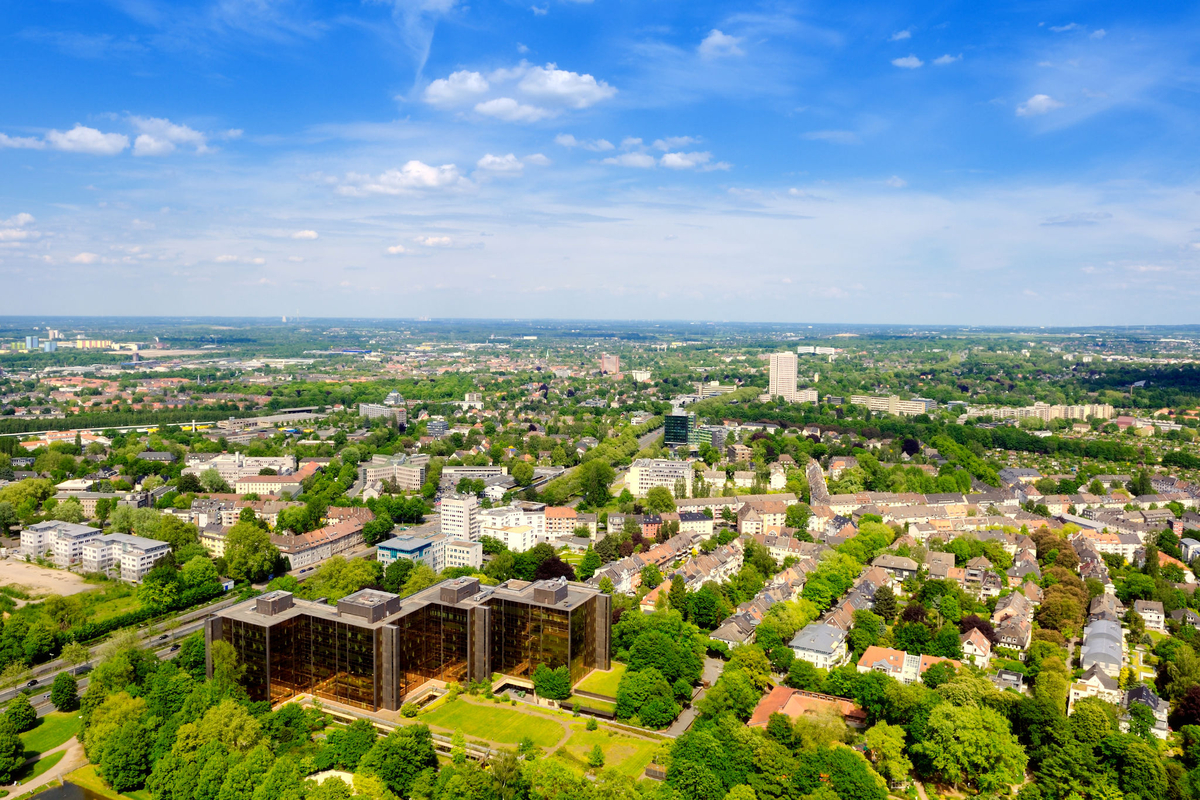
896,182
509,110
460,87
1099,33
1038,104
413,176
19,221
718,44
21,142
225,259
84,258
397,250
900,36
685,160
673,142
908,62
947,59
833,137
597,145
640,160
15,235
258,261
305,235
434,241
159,136
560,86
537,159
507,163
82,139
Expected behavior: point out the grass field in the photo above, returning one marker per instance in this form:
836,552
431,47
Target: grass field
39,767
51,731
88,779
600,682
625,754
598,705
495,723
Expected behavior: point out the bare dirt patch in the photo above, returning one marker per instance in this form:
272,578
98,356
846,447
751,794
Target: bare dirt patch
40,580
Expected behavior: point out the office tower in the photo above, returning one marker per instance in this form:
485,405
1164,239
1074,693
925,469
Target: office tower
610,364
677,428
783,376
374,649
460,517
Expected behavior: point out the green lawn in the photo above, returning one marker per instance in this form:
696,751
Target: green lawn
601,682
598,705
51,731
495,723
111,607
39,767
88,779
625,754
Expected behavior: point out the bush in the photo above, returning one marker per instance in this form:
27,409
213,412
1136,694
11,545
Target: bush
21,713
408,710
592,724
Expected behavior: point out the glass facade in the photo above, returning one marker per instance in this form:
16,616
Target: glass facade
433,643
250,642
525,635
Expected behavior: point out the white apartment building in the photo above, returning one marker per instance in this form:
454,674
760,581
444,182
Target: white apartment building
396,414
893,404
232,466
1045,411
133,556
64,541
782,380
461,518
407,472
647,473
517,538
463,554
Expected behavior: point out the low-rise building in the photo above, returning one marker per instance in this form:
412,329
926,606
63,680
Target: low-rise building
823,646
1095,682
1151,611
977,648
463,554
62,541
428,550
121,554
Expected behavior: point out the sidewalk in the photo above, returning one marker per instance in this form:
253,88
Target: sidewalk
73,760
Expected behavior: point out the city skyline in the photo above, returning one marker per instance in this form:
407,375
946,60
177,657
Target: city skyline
593,160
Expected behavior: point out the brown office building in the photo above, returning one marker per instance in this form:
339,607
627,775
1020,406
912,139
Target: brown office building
375,648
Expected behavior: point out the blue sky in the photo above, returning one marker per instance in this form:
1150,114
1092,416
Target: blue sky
875,162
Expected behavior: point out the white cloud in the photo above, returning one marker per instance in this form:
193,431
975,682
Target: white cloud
685,160
537,159
461,86
522,49
571,89
942,61
507,163
305,235
147,145
597,145
397,249
434,241
640,160
1099,33
896,182
510,110
833,137
1038,104
415,175
258,261
84,258
908,62
540,11
15,235
158,132
1071,26
630,142
225,259
21,142
82,139
718,44
673,142
20,220
900,36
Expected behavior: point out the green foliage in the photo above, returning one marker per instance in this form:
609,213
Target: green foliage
553,684
20,713
64,692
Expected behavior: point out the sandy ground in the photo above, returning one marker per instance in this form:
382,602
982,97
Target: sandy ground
40,580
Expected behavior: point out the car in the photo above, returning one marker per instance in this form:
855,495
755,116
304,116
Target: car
164,636
174,647
32,682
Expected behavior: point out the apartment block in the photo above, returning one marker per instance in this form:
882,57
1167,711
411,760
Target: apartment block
395,414
233,466
407,472
131,556
894,405
460,517
463,554
374,649
782,378
647,473
63,541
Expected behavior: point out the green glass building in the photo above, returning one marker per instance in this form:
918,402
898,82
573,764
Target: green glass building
373,648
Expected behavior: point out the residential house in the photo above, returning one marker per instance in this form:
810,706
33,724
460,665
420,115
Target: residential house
977,648
1151,611
1015,633
1095,682
899,567
794,704
1144,695
823,646
1103,646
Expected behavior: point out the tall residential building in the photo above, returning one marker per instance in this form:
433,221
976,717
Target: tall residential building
31,343
460,517
374,650
395,414
610,364
783,376
647,473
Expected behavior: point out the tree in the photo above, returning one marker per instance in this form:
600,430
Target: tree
553,684
21,714
973,747
249,554
200,571
803,675
8,518
212,482
12,752
885,603
651,576
64,693
396,574
885,748
595,477
596,757
126,759
522,473
1141,721
400,756
659,500
797,516
677,595
588,566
